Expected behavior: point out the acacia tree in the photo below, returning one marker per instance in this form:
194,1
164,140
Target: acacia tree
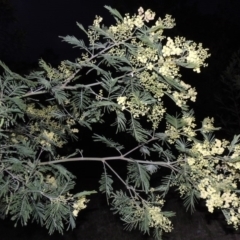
137,69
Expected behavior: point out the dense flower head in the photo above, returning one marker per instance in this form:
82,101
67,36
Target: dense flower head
158,220
78,205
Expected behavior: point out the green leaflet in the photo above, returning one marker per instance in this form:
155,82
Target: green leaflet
138,175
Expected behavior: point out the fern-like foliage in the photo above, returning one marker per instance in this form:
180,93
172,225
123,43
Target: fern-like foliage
109,142
106,185
127,208
138,175
136,130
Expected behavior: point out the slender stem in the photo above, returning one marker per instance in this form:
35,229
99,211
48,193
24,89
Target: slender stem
39,155
129,188
116,174
33,93
104,159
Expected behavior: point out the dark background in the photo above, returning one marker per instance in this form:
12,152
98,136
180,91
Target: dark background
30,30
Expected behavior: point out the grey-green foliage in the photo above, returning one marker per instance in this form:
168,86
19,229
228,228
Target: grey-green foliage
130,72
139,176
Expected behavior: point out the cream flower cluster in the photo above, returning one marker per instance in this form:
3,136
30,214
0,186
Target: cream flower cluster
187,129
182,97
157,218
167,22
147,16
51,180
191,54
169,68
218,195
65,69
183,53
134,106
213,176
147,55
204,158
150,82
172,133
49,136
236,152
207,125
170,49
124,29
68,199
78,205
235,155
92,34
156,114
156,31
45,137
97,21
209,149
61,73
155,215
